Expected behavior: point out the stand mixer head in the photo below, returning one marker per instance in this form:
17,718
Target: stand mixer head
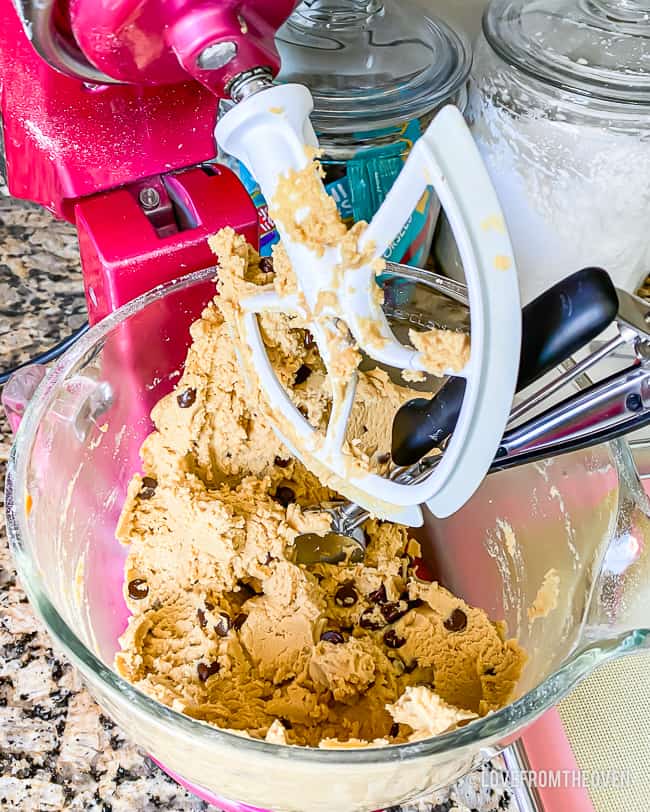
128,75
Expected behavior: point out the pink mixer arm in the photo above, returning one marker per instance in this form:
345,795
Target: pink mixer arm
123,254
149,41
64,141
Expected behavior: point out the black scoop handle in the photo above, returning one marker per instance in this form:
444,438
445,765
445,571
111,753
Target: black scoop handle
554,326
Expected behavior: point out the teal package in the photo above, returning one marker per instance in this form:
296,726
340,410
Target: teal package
367,179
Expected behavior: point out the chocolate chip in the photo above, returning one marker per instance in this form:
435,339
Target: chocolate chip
394,730
269,558
456,622
410,668
285,723
201,616
239,621
308,340
379,595
266,264
302,374
281,463
332,637
412,603
382,459
206,671
303,411
186,398
285,496
209,606
368,620
138,589
247,590
346,595
223,626
148,489
393,611
489,672
393,640
251,587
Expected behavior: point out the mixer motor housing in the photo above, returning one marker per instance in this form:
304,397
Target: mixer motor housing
107,111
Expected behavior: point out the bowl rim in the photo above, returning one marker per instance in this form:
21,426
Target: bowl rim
495,726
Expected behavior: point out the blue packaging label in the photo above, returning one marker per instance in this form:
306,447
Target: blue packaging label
268,233
340,191
411,246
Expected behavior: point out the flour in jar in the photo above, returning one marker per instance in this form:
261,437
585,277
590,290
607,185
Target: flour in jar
575,192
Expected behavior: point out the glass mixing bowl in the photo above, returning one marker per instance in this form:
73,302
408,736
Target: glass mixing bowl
585,515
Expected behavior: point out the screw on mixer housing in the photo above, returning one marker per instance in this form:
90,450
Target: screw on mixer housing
149,198
217,55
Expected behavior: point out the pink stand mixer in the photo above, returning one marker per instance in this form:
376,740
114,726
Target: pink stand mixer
108,109
109,112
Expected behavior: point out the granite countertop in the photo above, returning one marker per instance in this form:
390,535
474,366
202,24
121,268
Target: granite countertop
57,750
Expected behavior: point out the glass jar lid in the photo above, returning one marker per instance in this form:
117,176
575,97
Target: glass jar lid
599,48
371,63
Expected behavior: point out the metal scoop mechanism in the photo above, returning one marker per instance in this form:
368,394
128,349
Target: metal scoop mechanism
560,323
336,296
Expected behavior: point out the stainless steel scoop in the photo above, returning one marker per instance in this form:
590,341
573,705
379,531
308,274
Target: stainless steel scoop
585,304
346,541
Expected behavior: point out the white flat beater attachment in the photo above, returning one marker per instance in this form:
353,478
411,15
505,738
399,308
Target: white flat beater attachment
338,299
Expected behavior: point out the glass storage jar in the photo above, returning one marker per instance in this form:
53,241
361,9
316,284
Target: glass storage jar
560,108
378,70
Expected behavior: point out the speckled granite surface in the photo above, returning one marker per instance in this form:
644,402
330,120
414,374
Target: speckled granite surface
57,750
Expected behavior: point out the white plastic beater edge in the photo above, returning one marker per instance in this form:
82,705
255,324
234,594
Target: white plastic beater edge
268,133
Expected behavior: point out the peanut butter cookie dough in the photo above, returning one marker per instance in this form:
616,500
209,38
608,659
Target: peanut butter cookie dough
226,629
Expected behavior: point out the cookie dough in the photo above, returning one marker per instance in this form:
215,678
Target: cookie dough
547,596
441,350
225,628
